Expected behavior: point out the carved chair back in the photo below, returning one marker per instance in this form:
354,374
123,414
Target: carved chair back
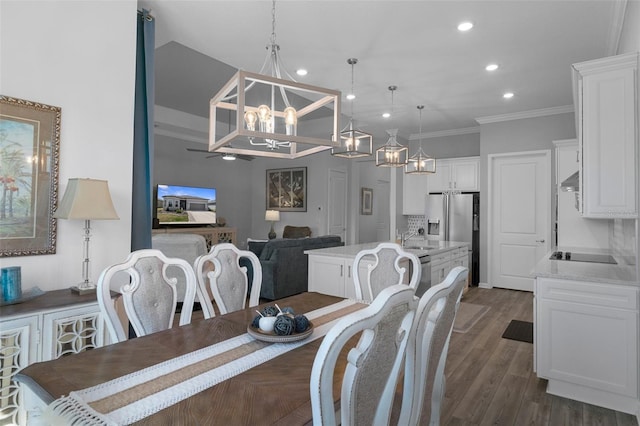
149,295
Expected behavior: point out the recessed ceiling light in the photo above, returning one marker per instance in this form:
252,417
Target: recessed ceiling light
351,96
508,95
301,72
386,115
491,67
465,26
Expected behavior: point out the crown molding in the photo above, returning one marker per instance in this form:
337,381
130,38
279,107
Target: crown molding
442,133
526,114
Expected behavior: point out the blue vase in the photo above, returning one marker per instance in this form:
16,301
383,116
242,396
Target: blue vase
11,283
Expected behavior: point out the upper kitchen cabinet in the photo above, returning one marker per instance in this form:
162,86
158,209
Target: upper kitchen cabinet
605,96
462,174
414,193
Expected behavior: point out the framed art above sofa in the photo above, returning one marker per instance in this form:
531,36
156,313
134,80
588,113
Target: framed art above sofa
287,189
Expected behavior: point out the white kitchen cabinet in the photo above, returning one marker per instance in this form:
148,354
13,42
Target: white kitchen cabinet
331,275
414,192
443,263
586,341
462,174
440,267
605,94
52,325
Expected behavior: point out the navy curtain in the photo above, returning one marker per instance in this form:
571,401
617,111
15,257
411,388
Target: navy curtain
142,188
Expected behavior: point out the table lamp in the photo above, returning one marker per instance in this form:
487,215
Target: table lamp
272,216
86,199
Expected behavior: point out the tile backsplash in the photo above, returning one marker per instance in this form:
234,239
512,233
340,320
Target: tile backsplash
415,222
622,237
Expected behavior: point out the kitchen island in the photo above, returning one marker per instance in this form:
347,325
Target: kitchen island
330,269
586,325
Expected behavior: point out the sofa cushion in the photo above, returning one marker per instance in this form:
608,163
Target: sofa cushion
296,232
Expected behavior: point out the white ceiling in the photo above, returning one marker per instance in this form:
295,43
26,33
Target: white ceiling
411,44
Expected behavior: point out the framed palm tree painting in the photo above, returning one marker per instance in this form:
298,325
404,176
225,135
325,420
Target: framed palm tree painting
29,160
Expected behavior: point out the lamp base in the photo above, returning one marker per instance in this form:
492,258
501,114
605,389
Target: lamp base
82,291
271,235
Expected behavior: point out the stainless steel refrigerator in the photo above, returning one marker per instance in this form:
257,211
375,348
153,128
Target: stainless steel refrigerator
456,218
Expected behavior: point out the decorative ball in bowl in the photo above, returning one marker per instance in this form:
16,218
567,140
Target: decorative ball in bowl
273,324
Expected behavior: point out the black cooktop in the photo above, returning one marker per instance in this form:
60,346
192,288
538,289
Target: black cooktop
583,257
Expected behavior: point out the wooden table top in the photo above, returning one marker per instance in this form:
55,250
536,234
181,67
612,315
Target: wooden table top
274,392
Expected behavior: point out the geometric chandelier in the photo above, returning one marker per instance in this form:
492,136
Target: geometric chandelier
273,117
420,163
354,143
392,154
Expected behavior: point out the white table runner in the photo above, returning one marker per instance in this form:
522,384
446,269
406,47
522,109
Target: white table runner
135,396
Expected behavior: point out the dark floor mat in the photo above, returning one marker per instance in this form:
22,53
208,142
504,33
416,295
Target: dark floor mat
521,331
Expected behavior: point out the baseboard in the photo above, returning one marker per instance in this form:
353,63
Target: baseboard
485,285
592,396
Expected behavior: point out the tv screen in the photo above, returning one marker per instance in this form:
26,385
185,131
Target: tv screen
185,205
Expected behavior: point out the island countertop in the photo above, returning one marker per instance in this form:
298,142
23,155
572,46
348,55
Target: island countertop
418,246
624,272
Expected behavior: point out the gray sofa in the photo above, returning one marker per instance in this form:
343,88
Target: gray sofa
284,264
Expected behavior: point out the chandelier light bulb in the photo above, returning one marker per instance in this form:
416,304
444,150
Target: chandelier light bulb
250,119
290,120
264,113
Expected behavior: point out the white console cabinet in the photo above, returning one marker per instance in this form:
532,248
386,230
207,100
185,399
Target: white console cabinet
586,341
52,325
461,174
606,100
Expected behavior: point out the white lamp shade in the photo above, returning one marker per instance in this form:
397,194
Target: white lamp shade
86,199
272,215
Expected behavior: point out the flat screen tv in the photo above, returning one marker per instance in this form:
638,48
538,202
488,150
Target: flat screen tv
185,205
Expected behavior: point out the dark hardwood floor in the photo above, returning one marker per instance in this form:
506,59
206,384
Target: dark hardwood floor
490,380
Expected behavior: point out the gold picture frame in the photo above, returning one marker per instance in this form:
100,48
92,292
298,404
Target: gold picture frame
287,189
30,153
366,201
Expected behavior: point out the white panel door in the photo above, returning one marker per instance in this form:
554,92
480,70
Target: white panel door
337,208
519,217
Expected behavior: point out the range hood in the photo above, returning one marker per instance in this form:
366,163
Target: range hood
571,184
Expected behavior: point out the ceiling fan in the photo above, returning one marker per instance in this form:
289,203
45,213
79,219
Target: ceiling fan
225,156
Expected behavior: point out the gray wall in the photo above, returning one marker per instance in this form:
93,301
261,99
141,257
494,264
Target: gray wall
455,146
174,165
529,134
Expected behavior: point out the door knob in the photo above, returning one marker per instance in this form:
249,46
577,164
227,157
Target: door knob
539,241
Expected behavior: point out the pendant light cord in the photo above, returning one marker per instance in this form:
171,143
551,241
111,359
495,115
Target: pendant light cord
420,108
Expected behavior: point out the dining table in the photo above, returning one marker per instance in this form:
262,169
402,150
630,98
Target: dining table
272,392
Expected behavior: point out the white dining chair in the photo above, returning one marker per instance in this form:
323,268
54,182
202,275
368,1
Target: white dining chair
183,246
383,269
426,355
228,281
373,364
149,295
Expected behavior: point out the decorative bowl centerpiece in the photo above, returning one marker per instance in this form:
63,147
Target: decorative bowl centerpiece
276,325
